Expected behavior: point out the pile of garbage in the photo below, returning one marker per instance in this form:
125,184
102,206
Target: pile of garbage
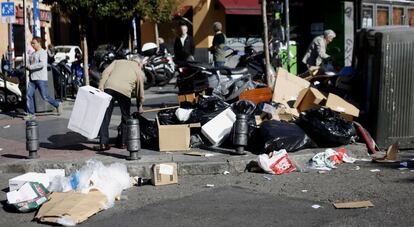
291,116
69,200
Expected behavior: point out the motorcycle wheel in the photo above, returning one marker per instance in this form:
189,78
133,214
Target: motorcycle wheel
166,75
149,79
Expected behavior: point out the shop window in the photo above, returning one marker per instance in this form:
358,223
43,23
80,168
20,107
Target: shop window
367,16
398,16
243,26
411,17
382,16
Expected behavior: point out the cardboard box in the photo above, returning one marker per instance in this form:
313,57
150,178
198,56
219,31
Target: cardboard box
218,128
309,98
88,111
29,197
287,87
163,174
191,98
174,137
336,103
17,182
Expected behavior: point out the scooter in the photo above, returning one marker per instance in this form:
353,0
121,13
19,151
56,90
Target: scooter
223,82
159,68
251,59
12,86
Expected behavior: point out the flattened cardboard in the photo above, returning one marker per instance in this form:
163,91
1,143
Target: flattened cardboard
287,87
353,205
191,98
309,98
174,137
157,178
391,155
337,104
72,205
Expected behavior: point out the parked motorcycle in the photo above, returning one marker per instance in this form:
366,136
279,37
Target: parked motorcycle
253,60
159,68
223,82
12,88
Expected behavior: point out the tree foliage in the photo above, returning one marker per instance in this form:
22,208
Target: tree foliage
157,11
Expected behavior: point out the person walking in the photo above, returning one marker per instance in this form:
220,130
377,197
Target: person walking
38,79
119,79
184,45
219,42
316,52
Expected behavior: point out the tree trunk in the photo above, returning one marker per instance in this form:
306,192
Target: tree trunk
157,41
84,46
269,71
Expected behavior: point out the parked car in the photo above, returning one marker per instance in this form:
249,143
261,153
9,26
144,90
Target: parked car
62,52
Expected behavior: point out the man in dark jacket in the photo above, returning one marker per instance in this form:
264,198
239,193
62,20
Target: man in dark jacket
184,45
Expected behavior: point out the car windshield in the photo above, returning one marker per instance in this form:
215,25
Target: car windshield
62,49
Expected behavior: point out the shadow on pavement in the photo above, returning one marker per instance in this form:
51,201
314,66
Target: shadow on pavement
14,156
68,141
114,155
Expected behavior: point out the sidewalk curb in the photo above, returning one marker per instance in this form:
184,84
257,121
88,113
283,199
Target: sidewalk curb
202,166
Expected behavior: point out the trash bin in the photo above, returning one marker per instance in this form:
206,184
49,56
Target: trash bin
42,106
385,57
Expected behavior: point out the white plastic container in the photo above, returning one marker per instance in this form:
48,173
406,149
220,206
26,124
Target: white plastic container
218,128
89,111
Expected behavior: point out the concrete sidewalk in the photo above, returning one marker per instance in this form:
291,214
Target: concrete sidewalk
61,148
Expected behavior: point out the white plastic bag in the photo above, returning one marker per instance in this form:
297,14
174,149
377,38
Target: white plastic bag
183,114
276,162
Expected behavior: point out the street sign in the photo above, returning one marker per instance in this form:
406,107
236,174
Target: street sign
8,12
7,9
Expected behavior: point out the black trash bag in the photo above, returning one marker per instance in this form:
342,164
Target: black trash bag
208,107
278,135
148,130
327,128
168,117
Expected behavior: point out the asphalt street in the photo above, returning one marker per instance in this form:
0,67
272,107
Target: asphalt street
255,199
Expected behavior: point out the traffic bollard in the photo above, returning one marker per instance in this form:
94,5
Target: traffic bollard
240,134
133,139
32,139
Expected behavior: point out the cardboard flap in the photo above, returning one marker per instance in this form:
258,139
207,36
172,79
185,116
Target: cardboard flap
287,86
77,206
336,103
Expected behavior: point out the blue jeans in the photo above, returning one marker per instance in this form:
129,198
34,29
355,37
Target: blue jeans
43,88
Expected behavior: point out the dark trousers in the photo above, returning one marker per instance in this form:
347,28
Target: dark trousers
124,103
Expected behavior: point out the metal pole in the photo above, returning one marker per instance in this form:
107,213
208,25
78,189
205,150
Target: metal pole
266,45
287,34
25,43
10,40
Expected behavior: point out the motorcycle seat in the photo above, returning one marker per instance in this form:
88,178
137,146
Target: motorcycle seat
230,71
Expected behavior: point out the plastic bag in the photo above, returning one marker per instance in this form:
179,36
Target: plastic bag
148,129
230,87
277,162
208,107
168,117
279,135
327,128
330,158
183,114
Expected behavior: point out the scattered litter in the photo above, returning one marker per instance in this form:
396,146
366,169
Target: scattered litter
6,126
357,168
316,206
210,185
28,197
328,159
201,154
226,172
267,178
405,164
1,149
322,171
353,205
403,168
412,170
364,160
375,170
276,162
412,159
304,190
390,156
164,174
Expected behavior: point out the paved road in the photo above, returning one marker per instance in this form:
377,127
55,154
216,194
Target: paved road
249,199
